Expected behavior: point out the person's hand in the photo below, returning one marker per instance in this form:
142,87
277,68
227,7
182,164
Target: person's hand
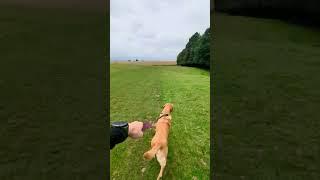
135,129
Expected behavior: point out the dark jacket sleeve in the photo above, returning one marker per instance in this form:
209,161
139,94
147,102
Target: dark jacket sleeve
117,136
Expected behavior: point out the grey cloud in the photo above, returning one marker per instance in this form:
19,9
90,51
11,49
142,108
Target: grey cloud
155,29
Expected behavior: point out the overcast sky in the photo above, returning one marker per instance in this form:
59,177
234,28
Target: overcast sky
155,30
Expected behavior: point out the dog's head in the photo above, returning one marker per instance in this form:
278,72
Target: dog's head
168,107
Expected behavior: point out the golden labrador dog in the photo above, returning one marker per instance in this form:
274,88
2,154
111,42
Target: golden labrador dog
159,142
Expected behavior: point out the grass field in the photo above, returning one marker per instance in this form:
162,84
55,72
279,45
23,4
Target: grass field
52,93
266,99
137,93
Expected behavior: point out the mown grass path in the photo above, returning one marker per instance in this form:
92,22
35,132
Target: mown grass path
137,93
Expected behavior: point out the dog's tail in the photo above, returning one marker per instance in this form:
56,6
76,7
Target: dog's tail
152,152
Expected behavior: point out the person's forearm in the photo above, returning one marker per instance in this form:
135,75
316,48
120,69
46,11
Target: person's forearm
117,136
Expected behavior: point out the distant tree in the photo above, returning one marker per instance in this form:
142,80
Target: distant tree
197,51
203,51
192,47
180,58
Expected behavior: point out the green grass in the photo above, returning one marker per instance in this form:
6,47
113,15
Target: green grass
137,93
266,99
52,94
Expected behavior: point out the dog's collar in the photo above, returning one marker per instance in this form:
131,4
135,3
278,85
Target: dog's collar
147,125
162,115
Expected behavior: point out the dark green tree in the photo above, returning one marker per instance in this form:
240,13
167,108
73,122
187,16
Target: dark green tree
197,51
203,52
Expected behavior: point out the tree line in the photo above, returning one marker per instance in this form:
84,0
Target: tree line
197,51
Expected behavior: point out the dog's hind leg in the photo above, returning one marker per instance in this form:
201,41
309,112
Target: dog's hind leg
162,159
